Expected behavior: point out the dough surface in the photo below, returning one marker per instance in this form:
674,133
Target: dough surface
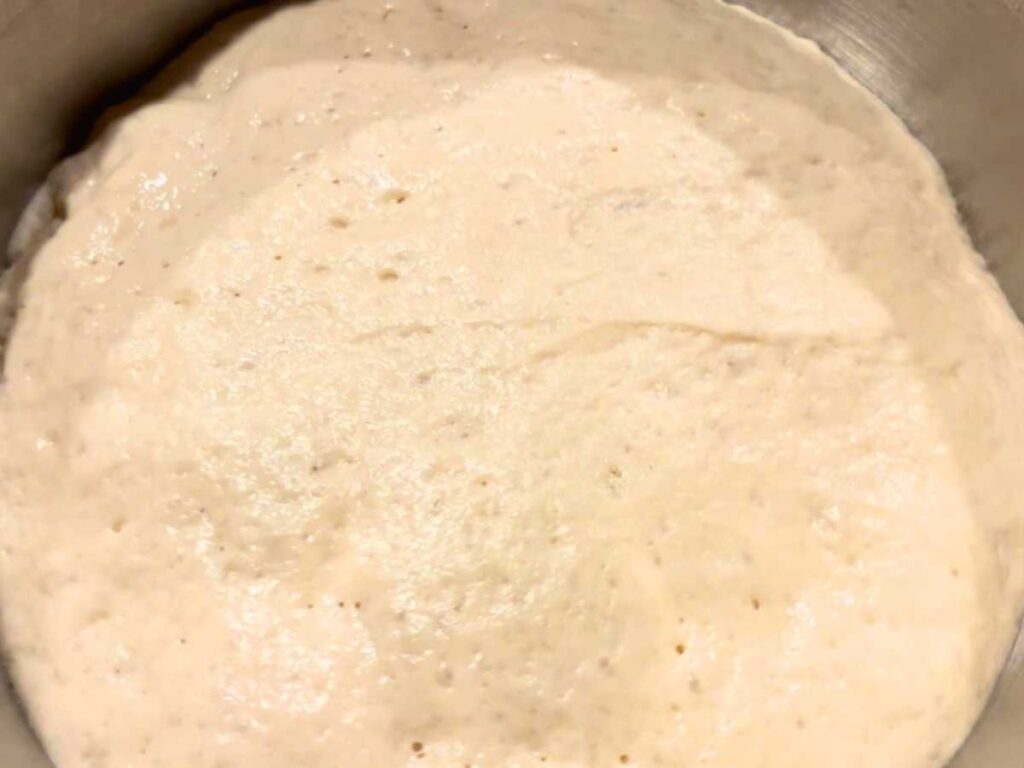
507,384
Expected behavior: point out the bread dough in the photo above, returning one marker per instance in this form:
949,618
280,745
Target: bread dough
507,384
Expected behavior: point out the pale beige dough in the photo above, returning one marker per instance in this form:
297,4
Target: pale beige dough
507,384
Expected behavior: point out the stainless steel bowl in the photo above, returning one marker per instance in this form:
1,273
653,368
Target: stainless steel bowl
953,69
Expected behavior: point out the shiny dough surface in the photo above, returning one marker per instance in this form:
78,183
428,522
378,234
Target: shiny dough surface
505,384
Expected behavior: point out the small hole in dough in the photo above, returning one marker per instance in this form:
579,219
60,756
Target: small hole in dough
398,196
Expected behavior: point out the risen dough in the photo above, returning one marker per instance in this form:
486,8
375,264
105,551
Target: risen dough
505,384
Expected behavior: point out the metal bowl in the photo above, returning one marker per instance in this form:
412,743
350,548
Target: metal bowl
953,69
